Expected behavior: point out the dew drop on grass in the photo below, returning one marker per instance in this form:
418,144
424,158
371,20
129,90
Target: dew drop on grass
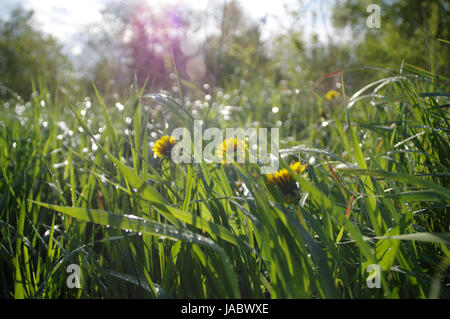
20,109
120,107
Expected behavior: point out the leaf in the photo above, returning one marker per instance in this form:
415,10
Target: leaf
441,238
146,226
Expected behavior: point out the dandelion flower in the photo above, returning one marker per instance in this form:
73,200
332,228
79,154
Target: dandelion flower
284,179
298,167
332,95
230,146
163,146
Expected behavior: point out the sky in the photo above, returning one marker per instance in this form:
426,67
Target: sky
65,19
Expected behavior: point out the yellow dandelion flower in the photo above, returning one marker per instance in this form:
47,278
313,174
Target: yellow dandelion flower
298,167
331,95
163,146
270,178
283,176
230,146
284,179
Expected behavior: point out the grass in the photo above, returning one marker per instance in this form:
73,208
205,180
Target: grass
80,185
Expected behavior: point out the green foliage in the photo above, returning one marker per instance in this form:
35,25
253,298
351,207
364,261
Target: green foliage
410,32
26,52
237,52
80,184
84,188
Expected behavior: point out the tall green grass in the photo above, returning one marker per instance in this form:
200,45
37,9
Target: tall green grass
79,184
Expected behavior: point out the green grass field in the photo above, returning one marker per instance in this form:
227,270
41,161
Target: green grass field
80,185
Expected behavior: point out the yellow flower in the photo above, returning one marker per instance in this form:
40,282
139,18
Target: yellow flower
270,178
283,176
230,146
331,95
284,179
298,167
163,146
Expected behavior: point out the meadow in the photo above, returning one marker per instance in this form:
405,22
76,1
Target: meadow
80,184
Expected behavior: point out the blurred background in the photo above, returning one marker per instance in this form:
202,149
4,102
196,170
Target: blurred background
213,43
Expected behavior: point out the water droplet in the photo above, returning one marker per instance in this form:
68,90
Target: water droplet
120,106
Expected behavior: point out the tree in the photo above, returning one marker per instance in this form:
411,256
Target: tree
26,53
237,50
410,32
